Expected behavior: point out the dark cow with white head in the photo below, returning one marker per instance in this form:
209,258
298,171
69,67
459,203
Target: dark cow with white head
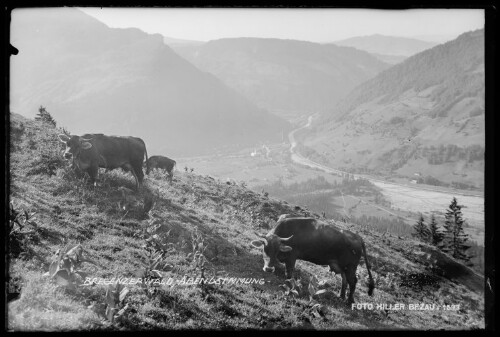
91,151
320,243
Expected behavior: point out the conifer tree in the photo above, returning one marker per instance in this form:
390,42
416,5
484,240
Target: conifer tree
420,230
436,236
44,116
454,236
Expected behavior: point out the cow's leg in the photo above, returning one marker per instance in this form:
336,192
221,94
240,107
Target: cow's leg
93,173
352,280
337,270
139,174
132,169
137,181
344,285
290,266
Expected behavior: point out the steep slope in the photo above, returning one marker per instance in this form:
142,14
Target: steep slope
122,81
122,233
387,45
425,116
288,77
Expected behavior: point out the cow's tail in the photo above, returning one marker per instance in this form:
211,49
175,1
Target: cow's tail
172,171
371,283
147,161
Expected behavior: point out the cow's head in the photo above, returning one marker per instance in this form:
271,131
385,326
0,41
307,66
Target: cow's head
272,245
74,145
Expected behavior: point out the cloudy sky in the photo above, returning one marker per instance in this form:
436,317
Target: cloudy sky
312,24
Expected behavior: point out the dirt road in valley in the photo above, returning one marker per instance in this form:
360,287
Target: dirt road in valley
405,197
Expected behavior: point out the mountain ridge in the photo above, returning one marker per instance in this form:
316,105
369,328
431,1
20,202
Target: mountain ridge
387,45
424,115
286,76
127,82
174,41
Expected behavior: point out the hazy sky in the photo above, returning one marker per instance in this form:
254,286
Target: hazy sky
313,24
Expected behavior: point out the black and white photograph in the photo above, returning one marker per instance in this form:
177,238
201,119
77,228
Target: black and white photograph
241,168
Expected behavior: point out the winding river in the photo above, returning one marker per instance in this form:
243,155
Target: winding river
412,198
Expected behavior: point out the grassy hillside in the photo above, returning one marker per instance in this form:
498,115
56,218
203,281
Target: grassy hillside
196,225
93,78
424,115
455,67
288,77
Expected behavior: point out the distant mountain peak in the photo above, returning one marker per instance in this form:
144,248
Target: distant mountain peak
174,41
288,77
387,45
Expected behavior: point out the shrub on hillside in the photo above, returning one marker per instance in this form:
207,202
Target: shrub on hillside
46,164
16,132
22,230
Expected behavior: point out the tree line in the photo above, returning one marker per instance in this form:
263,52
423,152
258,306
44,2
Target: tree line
451,239
348,185
451,153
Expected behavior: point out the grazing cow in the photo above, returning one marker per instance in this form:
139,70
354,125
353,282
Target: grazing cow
91,151
161,162
317,242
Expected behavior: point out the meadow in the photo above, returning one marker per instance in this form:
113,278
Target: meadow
66,236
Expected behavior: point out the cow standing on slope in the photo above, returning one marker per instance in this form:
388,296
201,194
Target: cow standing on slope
91,151
161,162
317,242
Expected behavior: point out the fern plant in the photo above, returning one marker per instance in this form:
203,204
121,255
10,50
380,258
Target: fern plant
66,265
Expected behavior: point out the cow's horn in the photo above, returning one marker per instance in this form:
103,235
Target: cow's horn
85,139
285,239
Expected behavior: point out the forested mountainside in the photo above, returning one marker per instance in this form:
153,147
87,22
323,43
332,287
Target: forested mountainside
425,116
92,78
288,77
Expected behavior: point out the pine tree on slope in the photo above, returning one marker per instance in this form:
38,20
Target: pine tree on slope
454,236
44,116
421,230
436,236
